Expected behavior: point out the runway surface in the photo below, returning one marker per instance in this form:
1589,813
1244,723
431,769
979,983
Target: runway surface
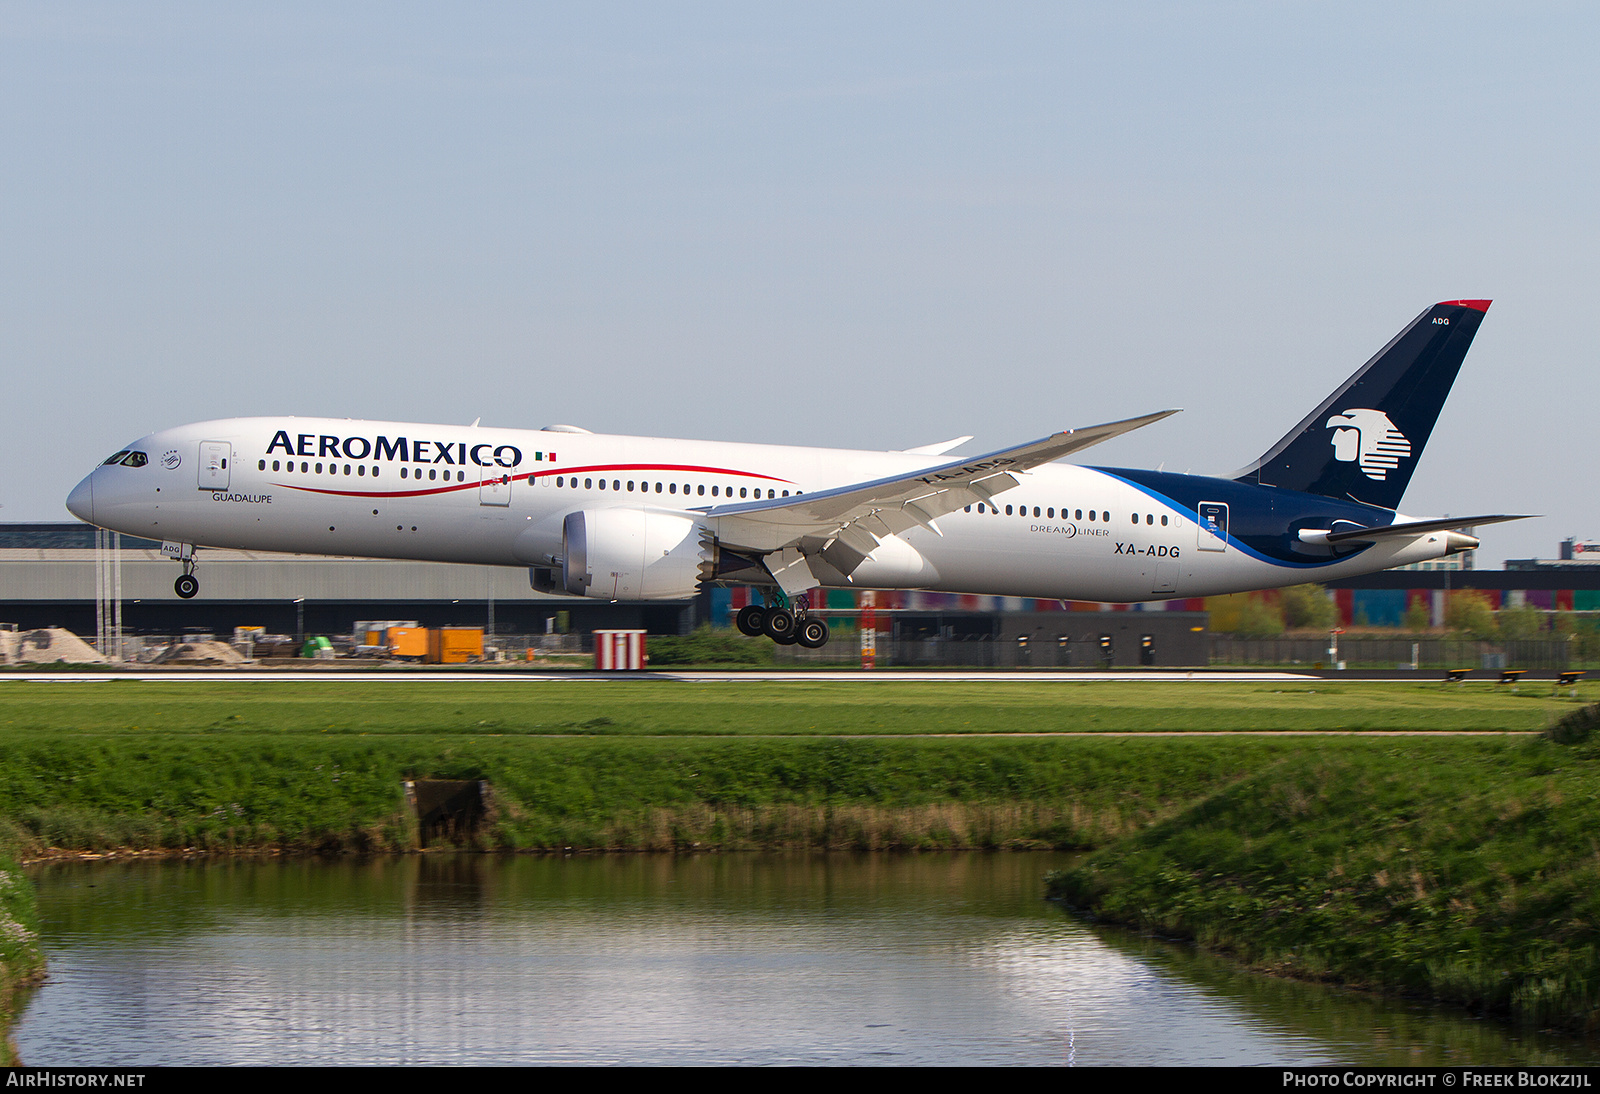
403,677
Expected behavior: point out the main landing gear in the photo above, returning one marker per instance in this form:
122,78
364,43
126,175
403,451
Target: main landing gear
187,584
784,625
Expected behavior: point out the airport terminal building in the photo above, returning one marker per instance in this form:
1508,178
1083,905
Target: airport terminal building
53,575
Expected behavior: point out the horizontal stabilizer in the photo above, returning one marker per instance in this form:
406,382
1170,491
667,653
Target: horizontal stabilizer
1415,528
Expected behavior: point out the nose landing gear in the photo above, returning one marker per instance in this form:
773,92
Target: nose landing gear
783,625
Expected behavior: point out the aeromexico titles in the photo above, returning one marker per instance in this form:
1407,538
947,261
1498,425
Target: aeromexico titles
643,518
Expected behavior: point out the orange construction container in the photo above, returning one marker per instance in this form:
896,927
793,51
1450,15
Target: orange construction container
455,645
408,642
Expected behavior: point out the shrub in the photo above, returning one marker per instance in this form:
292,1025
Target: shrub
1308,607
709,647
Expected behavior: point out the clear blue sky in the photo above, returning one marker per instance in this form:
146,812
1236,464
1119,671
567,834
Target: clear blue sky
864,225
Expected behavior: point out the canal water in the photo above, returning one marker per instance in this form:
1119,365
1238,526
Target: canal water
710,959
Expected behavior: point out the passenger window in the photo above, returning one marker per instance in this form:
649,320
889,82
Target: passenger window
261,465
1163,522
1079,516
274,465
1035,510
403,472
616,484
786,494
1148,519
588,484
303,466
702,490
1008,510
1050,513
742,491
319,469
362,470
602,484
630,486
714,491
347,469
968,509
561,481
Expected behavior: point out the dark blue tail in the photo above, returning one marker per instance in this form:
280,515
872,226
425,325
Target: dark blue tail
1363,442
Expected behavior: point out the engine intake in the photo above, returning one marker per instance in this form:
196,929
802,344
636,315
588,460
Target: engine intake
630,554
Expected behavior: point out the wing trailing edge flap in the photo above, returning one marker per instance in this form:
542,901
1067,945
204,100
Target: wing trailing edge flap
850,521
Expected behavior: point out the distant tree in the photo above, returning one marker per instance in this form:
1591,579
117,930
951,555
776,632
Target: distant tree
1308,607
1469,612
1257,617
1523,622
1418,617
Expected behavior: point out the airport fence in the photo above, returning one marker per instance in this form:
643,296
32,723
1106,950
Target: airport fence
1544,653
1549,653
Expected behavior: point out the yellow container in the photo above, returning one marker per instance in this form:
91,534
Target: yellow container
408,642
455,645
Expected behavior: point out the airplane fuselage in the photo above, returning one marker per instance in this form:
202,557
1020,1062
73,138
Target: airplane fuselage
501,497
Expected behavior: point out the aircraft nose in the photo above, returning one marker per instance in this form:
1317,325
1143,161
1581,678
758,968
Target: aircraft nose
80,503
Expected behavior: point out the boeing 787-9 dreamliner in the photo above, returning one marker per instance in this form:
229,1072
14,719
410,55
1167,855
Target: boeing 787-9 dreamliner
644,518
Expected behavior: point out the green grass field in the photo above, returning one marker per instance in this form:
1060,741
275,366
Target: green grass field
754,708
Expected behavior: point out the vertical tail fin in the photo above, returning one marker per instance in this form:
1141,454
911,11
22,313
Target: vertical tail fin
1363,442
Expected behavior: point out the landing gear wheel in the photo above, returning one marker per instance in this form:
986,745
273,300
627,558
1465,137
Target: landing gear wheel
813,634
186,586
750,620
779,625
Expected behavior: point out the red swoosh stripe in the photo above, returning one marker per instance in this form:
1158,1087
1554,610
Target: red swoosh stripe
530,476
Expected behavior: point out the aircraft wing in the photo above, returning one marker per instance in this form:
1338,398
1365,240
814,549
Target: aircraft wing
851,520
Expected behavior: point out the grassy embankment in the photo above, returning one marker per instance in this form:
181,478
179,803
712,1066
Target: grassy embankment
1456,866
1469,874
657,765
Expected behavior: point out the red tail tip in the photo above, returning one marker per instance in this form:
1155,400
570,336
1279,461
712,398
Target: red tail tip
1475,305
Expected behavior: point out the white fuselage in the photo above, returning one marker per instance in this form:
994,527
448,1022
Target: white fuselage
499,497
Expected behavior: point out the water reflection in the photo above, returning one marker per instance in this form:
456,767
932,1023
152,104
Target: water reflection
922,959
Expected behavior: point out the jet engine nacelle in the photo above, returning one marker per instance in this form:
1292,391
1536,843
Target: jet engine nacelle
630,554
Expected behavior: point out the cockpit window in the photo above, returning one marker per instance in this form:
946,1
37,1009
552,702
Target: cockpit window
115,458
136,459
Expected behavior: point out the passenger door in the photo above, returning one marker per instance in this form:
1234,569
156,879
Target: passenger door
214,457
1212,528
